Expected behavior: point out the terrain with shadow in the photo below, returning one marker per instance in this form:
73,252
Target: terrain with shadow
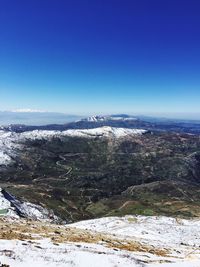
81,178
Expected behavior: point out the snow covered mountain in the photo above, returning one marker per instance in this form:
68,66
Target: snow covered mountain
98,118
88,133
64,122
10,142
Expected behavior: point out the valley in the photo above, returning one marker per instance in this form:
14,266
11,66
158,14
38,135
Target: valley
83,174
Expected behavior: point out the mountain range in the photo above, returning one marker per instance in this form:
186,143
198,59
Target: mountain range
104,165
66,122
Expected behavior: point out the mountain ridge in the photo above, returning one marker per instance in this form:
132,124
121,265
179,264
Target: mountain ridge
119,121
85,178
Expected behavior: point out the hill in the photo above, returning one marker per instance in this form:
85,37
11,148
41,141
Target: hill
84,174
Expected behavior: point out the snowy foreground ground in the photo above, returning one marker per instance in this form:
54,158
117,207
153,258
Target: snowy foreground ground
106,242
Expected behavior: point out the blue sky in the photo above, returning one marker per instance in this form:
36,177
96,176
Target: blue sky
105,56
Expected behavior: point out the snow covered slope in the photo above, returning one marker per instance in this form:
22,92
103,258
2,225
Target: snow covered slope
14,208
179,237
131,241
5,207
105,131
10,142
44,253
7,146
158,230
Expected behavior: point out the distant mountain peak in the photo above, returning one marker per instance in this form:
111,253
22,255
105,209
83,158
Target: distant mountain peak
100,118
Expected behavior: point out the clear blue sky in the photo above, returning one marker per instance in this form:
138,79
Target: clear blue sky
100,56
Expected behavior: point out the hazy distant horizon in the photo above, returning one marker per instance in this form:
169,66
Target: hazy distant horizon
43,117
36,118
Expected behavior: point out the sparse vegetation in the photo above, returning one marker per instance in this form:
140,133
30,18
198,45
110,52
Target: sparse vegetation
81,178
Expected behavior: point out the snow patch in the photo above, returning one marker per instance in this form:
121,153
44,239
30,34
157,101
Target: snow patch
5,207
156,229
12,207
44,253
105,131
4,158
36,212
